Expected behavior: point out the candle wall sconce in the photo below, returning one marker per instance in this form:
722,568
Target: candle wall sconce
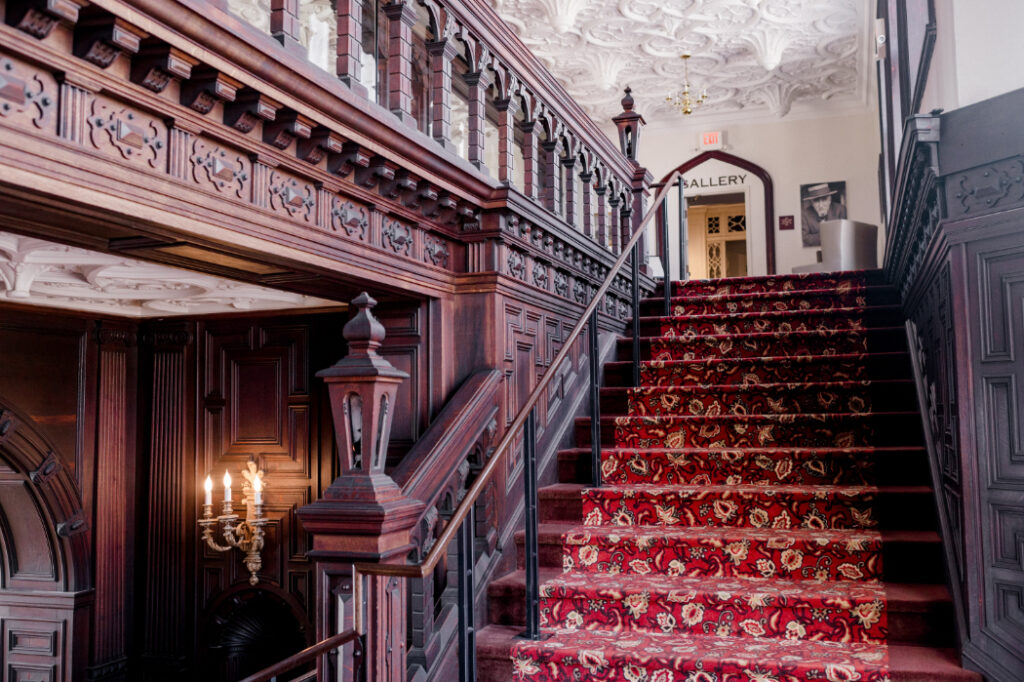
246,535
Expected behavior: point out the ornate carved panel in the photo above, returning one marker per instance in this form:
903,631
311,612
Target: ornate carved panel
128,133
219,169
291,196
349,218
28,96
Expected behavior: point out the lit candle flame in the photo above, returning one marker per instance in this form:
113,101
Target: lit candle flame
227,480
208,485
257,483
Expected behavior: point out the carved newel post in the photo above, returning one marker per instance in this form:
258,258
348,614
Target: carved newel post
363,515
629,124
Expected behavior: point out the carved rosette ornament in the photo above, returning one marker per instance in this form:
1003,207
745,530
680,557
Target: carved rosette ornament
19,94
435,251
397,237
125,131
288,196
227,173
354,220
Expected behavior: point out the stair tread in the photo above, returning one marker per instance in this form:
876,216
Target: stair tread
864,449
768,386
567,489
555,530
907,663
786,293
767,359
806,312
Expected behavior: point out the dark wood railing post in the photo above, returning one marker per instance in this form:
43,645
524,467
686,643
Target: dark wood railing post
635,290
350,44
613,203
478,82
626,224
363,515
552,195
401,19
532,562
602,230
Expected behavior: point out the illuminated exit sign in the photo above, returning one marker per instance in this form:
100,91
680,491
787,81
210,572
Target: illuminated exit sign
712,140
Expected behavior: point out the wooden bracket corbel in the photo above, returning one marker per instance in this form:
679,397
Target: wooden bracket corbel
423,196
38,17
467,215
322,142
404,183
441,209
286,127
352,157
380,170
100,38
249,108
206,87
157,64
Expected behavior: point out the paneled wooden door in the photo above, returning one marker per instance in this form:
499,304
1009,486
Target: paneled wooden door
717,240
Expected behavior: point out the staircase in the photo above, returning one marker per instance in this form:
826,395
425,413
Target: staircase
766,512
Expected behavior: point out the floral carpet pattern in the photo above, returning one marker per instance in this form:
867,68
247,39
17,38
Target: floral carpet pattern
736,535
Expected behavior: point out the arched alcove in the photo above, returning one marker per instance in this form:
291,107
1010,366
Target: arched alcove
45,574
766,208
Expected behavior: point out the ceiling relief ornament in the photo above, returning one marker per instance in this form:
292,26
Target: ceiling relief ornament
757,58
38,272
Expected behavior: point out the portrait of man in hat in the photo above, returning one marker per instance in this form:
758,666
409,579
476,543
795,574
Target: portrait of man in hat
820,201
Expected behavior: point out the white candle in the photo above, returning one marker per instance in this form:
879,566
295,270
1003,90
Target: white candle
227,487
257,488
208,487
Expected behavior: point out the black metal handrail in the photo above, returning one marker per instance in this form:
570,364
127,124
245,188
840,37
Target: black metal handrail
460,524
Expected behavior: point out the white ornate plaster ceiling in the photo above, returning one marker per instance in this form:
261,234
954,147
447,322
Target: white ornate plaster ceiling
38,272
757,58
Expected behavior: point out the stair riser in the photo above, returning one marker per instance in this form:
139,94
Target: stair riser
731,347
770,322
863,621
793,560
819,299
792,282
741,510
855,400
923,628
753,432
736,467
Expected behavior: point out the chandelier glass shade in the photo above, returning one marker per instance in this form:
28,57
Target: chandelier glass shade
686,100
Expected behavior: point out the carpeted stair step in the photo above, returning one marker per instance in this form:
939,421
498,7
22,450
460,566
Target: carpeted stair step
660,657
758,506
773,344
906,663
841,281
802,466
772,301
857,397
850,319
796,554
917,614
756,431
738,607
763,370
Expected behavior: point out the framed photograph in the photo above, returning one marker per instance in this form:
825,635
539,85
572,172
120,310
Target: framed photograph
820,201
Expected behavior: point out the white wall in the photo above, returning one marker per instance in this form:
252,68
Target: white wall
978,52
794,152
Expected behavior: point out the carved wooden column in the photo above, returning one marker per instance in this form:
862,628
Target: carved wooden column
350,44
613,228
115,508
170,521
478,82
588,219
442,52
401,19
363,515
569,178
626,227
530,151
507,109
602,234
552,167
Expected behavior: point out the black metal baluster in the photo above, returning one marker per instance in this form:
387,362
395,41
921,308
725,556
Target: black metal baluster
666,260
467,625
532,560
634,258
684,237
595,402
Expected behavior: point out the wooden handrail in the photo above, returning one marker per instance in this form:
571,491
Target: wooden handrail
440,548
304,656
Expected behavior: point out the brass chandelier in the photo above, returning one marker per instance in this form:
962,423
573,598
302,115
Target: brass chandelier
684,100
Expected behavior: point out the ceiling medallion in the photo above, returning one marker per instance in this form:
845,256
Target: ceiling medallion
683,100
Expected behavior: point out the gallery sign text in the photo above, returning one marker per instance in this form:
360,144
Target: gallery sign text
715,181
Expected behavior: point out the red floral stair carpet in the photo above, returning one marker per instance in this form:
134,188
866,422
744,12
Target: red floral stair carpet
739,533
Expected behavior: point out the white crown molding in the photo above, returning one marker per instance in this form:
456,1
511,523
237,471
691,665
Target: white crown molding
759,59
38,272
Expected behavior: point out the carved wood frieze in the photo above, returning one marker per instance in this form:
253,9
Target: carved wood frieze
349,218
996,186
130,134
435,251
288,195
224,170
27,94
396,236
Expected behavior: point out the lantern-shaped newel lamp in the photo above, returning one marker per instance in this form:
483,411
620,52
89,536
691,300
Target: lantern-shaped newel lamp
629,124
362,388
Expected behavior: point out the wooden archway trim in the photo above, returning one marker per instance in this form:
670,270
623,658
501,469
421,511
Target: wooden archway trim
766,181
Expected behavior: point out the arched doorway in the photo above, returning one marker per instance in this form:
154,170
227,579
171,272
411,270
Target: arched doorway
758,205
45,575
